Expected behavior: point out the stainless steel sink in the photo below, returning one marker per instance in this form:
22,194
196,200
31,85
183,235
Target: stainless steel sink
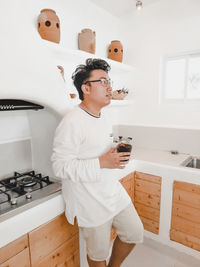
192,162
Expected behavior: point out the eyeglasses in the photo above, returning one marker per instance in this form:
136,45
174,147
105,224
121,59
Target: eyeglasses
104,82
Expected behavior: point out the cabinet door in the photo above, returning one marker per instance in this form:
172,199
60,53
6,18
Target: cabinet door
74,261
12,249
128,184
67,253
20,260
185,220
47,238
147,200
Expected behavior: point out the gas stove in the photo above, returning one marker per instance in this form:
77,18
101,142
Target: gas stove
24,190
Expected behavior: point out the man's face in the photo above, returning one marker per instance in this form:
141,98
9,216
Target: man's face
99,92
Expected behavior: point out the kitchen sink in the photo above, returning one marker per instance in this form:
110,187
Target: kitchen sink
192,162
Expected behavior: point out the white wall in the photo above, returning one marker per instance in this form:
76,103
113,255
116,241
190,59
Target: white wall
162,138
28,66
166,27
42,128
76,15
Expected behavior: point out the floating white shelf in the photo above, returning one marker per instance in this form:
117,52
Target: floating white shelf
80,55
75,57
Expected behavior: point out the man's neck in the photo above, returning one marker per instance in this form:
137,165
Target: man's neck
91,108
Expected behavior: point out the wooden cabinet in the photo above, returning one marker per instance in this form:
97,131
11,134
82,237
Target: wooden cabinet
128,184
55,243
147,193
15,254
20,260
67,252
185,220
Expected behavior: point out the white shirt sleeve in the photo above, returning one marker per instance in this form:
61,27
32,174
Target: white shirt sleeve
65,157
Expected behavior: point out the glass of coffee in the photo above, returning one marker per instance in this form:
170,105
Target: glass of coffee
124,145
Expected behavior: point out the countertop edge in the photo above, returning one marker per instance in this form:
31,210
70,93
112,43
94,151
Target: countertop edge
29,219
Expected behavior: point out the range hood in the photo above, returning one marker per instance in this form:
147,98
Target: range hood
16,104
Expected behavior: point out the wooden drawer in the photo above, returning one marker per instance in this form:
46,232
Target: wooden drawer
13,248
20,260
48,237
185,220
67,253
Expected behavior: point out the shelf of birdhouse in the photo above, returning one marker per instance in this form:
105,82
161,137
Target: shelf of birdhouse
79,56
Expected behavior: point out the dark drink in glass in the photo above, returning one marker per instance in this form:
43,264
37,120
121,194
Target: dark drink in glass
123,147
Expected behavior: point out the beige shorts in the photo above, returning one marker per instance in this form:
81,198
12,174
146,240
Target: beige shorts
127,225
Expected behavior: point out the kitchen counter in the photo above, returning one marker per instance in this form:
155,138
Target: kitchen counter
166,165
161,163
159,157
30,219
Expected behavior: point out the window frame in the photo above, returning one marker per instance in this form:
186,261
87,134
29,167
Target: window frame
163,68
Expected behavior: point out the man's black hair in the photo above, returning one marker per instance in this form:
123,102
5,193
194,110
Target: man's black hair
82,72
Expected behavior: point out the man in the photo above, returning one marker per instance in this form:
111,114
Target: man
83,159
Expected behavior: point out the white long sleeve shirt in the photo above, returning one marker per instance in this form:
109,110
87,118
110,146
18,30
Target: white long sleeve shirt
91,194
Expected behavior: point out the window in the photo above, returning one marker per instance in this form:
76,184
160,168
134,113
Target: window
181,77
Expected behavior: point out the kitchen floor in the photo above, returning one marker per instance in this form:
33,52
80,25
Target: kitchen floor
153,254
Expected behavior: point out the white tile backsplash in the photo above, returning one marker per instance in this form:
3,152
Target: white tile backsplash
14,126
15,156
162,138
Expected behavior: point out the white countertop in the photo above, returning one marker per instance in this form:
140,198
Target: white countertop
159,156
150,161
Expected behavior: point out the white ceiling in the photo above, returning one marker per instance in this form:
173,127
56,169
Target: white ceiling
120,7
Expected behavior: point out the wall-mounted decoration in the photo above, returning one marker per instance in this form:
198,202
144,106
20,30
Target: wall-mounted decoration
115,51
62,72
49,25
87,41
72,95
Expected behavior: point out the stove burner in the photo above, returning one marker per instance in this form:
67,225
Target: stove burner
28,181
21,183
23,189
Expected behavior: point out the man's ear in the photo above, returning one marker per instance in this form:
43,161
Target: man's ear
85,89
